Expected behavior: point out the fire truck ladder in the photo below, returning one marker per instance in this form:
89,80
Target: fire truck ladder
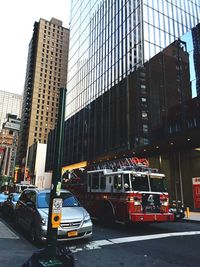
134,164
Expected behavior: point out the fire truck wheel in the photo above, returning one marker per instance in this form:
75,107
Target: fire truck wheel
106,215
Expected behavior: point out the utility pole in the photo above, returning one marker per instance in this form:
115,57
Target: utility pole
56,175
48,256
55,183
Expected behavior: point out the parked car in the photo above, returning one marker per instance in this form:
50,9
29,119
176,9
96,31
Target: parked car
8,207
177,208
32,215
3,198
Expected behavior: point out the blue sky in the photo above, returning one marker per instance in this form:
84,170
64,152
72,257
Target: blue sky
17,18
189,43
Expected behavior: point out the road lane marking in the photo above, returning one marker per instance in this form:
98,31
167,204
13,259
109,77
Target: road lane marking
5,232
149,237
106,242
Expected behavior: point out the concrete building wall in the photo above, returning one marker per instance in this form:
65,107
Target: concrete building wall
50,75
42,178
46,74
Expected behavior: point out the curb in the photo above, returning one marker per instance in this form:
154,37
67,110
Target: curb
191,220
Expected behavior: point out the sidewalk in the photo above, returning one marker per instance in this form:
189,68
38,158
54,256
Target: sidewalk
14,249
193,217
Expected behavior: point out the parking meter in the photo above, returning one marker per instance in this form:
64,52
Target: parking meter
56,212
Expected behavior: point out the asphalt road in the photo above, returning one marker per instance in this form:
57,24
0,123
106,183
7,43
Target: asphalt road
163,245
167,244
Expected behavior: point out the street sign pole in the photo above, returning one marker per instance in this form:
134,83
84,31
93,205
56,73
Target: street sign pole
56,174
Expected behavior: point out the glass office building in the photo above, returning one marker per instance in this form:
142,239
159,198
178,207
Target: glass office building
110,39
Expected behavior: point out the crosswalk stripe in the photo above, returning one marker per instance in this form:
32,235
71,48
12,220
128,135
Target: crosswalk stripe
106,242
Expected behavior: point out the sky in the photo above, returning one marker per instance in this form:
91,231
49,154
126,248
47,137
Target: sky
17,18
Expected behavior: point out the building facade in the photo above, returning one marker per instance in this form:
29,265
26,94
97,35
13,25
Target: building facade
46,73
110,39
149,114
9,103
133,113
8,145
124,100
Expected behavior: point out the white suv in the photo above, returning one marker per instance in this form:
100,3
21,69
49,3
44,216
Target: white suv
32,215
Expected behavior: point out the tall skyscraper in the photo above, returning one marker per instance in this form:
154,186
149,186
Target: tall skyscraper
9,103
110,39
46,73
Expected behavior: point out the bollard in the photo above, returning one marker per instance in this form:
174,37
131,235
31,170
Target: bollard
187,212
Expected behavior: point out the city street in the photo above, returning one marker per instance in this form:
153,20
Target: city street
167,244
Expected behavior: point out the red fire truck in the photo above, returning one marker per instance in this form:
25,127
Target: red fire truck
124,191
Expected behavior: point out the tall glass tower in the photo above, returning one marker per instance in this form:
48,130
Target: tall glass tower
109,39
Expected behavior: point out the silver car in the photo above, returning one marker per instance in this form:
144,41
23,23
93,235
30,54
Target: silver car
32,215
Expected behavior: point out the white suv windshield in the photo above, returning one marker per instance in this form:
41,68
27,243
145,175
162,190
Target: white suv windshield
68,200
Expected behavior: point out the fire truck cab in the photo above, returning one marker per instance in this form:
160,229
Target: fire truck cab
106,180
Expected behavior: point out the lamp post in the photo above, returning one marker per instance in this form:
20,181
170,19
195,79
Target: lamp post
56,175
49,258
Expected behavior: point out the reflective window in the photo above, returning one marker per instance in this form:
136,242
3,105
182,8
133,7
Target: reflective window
139,183
99,27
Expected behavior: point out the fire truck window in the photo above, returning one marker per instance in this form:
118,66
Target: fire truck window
157,185
89,180
140,183
126,182
103,182
117,182
95,181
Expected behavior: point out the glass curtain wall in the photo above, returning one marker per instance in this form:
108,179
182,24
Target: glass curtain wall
165,21
109,39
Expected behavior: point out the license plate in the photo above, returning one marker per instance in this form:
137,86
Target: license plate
72,233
